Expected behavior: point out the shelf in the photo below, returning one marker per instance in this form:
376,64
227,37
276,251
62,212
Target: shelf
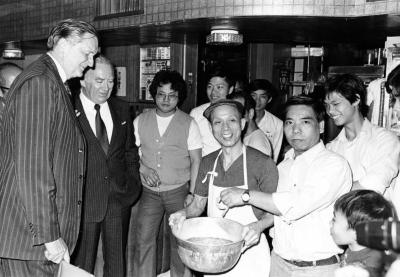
154,60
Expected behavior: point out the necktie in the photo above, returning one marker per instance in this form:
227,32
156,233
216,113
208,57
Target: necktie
101,131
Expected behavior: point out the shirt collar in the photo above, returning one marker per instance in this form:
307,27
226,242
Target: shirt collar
89,104
366,129
60,70
307,156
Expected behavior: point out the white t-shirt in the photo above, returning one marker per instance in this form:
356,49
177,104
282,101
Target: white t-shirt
193,140
273,128
210,144
258,140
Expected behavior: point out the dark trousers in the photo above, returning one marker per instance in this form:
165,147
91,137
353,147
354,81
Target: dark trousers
114,234
22,268
152,207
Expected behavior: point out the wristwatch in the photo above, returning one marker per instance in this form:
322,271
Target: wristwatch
246,196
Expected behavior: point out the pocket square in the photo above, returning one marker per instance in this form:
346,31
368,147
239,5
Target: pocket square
123,123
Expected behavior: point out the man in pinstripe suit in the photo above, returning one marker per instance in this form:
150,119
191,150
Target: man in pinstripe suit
112,179
42,154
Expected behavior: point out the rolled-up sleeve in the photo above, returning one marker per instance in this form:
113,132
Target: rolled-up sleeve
323,183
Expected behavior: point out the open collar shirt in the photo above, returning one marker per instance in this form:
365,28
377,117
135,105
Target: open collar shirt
373,156
308,187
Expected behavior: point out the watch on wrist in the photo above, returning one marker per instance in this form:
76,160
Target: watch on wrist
246,196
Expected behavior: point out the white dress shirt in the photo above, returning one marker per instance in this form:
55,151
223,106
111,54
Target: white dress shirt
193,140
308,187
273,128
373,156
90,112
258,140
210,144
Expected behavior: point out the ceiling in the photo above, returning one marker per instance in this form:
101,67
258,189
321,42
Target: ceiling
367,32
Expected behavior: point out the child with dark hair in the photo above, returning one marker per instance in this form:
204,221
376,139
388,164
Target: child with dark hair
170,149
350,209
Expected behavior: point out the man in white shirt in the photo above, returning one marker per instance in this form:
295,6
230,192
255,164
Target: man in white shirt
263,92
218,87
311,178
252,135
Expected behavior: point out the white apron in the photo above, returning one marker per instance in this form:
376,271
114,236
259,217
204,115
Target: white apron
255,261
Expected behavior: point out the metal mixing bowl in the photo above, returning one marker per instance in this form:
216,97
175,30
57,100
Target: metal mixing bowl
209,245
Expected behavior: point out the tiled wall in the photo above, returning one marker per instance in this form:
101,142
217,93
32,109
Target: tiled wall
31,19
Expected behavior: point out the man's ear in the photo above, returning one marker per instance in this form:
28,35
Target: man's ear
357,101
243,123
231,89
251,114
269,100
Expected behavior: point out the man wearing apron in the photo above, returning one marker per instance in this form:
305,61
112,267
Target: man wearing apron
240,167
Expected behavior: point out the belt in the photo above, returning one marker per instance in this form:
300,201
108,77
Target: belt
328,261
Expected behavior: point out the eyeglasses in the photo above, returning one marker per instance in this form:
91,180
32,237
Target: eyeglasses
165,96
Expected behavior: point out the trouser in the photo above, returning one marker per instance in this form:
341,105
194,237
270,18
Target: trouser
114,233
281,268
152,207
23,268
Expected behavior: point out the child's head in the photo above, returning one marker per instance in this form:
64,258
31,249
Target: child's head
168,89
355,207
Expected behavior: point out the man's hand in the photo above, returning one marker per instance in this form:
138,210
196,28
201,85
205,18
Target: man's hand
176,220
149,175
232,197
56,251
189,198
251,235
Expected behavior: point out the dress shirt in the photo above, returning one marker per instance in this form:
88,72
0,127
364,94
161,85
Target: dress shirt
373,156
210,144
258,140
273,128
90,112
61,71
308,187
193,140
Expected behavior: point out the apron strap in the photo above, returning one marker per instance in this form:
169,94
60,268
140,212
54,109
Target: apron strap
212,173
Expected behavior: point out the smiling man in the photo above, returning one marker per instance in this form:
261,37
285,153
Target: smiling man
43,157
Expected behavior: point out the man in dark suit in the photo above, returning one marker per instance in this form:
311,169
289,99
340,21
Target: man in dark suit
112,171
42,154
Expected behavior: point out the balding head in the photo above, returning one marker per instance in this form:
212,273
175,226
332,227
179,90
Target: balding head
8,73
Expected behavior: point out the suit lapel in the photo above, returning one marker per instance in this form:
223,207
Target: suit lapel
117,126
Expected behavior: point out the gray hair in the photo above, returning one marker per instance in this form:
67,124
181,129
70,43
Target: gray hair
69,28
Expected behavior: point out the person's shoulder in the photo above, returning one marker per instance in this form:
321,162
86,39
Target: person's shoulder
256,156
271,117
210,157
328,158
380,134
198,111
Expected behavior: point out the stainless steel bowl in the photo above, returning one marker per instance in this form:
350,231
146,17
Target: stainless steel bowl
209,245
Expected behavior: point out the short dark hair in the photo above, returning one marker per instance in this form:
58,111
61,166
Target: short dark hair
263,84
350,87
222,72
363,205
174,78
393,80
69,28
249,102
315,104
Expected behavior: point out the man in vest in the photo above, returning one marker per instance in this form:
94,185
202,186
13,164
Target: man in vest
112,175
170,145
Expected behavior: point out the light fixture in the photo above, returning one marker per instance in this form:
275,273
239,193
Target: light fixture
12,50
224,35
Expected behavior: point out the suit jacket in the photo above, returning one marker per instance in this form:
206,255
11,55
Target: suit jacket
113,176
42,164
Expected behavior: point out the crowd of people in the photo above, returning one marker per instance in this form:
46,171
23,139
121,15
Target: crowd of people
72,166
